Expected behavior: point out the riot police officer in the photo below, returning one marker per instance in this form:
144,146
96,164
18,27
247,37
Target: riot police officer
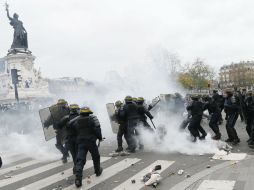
88,130
122,131
144,113
70,143
196,110
60,110
231,109
215,113
131,115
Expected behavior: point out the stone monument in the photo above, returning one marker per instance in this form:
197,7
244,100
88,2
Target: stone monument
31,85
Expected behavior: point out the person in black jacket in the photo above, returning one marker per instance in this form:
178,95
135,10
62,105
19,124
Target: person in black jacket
219,100
215,113
70,142
144,113
131,115
196,110
249,101
58,111
231,109
88,130
122,131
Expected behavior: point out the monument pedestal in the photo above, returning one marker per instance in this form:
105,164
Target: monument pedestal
31,85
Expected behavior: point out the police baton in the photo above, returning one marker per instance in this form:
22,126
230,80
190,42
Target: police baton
152,123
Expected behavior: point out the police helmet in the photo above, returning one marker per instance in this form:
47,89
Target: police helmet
85,110
195,97
62,101
118,103
134,99
74,107
128,99
140,100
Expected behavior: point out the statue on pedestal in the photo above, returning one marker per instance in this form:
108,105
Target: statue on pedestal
20,34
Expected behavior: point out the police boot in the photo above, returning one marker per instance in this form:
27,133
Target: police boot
217,136
119,149
99,172
64,158
230,137
236,139
97,168
78,181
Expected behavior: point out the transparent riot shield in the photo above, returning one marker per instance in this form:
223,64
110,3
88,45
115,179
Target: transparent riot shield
47,124
111,113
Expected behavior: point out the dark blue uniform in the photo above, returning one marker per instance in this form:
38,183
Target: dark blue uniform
231,109
88,130
215,113
70,142
196,110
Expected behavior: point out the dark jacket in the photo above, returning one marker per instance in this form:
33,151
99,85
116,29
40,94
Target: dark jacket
196,108
87,128
230,105
64,123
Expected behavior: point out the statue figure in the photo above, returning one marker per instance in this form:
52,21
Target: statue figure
20,34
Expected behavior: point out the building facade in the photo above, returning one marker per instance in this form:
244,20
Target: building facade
240,75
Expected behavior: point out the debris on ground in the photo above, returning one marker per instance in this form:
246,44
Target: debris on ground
153,177
180,172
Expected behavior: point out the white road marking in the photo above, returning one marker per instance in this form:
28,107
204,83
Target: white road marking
107,173
127,185
19,166
216,185
57,177
222,155
7,160
30,173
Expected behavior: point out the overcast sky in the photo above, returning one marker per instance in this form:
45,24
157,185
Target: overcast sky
90,37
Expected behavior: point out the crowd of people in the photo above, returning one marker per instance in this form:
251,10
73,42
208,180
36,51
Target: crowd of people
78,130
234,104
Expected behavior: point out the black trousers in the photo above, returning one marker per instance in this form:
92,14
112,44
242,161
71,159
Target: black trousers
83,149
60,136
214,122
230,125
71,145
121,132
250,123
195,126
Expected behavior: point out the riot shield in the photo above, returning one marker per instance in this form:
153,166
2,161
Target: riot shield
47,124
112,117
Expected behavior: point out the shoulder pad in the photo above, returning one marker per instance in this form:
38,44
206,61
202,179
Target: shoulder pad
95,120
